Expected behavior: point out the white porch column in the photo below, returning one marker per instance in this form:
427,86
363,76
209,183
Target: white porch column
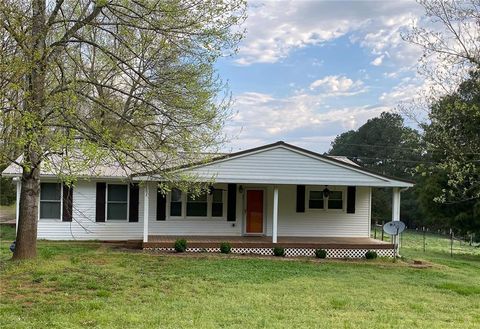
396,209
396,204
275,214
17,202
146,196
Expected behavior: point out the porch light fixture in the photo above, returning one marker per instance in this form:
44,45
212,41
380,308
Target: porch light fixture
326,192
240,189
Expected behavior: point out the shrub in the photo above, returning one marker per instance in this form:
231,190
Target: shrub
320,253
279,251
180,245
225,248
371,254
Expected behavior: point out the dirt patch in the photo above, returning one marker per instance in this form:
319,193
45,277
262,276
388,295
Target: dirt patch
7,214
420,264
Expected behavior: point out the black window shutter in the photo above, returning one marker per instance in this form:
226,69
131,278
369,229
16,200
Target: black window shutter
67,203
300,198
100,202
133,206
161,205
351,195
232,203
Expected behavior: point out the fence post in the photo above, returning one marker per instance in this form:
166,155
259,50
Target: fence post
424,244
451,243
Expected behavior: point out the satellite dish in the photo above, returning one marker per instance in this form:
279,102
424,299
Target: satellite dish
394,227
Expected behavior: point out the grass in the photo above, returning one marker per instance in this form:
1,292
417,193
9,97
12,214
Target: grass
89,285
412,242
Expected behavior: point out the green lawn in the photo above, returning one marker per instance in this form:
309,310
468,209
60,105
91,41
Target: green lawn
88,285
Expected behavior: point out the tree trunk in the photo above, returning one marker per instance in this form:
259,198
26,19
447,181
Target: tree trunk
26,242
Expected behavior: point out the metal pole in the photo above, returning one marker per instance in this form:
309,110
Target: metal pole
394,249
383,223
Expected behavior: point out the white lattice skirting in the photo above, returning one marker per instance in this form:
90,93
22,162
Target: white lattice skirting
291,252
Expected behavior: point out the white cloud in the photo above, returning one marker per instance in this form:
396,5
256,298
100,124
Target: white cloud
335,84
304,118
378,61
276,28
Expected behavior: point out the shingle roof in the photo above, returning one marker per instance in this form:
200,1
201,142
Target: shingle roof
115,170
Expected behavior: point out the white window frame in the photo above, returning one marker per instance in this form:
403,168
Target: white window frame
209,216
325,199
209,208
61,203
182,201
343,200
128,204
224,205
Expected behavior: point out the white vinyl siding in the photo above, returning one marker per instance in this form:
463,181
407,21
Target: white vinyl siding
333,223
83,225
281,165
290,223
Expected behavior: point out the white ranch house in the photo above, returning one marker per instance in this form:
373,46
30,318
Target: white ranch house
273,195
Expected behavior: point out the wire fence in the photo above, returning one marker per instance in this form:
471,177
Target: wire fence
427,240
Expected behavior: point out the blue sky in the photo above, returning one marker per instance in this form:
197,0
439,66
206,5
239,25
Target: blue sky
310,70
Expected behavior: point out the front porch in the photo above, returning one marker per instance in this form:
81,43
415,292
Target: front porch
336,247
274,196
155,241
277,215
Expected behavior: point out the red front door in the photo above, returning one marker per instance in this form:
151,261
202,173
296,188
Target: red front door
254,211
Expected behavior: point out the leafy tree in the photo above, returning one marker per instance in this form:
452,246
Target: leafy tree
453,144
384,144
453,140
449,37
130,82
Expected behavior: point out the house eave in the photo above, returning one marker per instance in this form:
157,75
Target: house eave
240,180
